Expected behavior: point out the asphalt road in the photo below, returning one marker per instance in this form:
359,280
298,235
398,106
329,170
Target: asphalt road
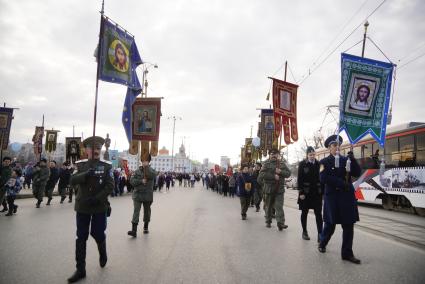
196,236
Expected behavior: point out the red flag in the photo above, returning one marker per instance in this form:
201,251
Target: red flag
285,105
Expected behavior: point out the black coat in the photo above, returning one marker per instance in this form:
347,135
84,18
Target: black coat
309,185
340,203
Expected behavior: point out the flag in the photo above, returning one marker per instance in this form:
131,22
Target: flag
37,138
6,116
119,55
285,106
365,97
51,140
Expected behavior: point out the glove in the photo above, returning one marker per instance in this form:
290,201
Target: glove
92,201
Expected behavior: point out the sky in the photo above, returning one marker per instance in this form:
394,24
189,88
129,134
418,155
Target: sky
213,60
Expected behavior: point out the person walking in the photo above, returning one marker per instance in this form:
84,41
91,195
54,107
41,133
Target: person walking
13,186
142,180
258,192
51,182
272,179
245,190
340,203
232,185
310,192
64,177
40,177
95,181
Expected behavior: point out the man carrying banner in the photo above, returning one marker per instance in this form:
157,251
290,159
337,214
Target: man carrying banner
142,180
340,204
272,180
95,182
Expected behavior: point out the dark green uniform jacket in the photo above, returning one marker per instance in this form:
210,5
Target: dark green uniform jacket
266,176
95,182
143,192
6,173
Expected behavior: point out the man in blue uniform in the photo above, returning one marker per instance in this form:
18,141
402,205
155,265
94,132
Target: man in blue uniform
95,182
340,204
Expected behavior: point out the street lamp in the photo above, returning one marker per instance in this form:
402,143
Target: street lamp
174,118
145,67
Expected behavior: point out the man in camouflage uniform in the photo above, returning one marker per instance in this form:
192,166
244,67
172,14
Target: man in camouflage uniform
95,182
272,180
142,180
40,177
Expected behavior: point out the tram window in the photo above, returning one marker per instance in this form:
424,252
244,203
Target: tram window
420,141
420,149
367,151
406,143
357,151
392,156
406,151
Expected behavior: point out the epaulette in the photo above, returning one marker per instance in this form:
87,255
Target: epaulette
106,162
81,161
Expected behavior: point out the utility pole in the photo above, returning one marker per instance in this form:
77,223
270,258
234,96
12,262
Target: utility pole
174,118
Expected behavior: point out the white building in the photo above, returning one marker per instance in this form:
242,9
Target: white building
164,161
132,160
224,162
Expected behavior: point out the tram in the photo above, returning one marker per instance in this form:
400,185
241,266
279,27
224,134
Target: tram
402,185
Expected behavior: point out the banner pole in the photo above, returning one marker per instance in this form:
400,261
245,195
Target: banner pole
364,37
99,48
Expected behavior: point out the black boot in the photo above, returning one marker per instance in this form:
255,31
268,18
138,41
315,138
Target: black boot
70,200
48,201
133,231
10,213
62,199
146,228
103,258
305,236
15,209
281,226
80,257
38,204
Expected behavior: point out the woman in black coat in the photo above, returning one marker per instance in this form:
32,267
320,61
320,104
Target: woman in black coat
310,191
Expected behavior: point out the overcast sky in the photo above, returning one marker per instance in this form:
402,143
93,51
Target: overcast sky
214,58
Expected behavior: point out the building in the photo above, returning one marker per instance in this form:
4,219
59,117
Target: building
224,162
164,161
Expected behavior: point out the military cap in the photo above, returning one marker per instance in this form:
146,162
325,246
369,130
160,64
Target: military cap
274,151
310,150
97,141
43,160
258,164
7,158
333,139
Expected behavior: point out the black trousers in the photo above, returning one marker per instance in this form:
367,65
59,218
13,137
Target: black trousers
319,219
347,238
11,202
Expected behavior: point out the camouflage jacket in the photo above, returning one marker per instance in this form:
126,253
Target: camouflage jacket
143,191
266,177
41,175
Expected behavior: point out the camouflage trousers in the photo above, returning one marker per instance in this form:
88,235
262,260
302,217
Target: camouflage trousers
274,201
146,211
258,197
38,191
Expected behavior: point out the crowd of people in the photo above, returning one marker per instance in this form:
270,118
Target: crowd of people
326,183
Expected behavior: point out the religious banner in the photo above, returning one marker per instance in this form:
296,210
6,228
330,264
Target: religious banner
119,55
365,97
146,119
114,156
73,147
248,150
51,140
6,116
144,153
267,129
37,139
285,106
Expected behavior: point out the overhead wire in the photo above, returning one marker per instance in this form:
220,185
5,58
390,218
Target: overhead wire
342,42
